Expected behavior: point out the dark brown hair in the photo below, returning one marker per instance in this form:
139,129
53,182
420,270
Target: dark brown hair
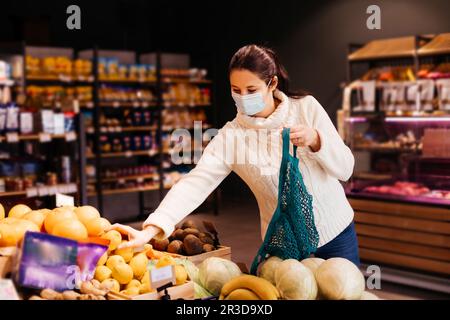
264,62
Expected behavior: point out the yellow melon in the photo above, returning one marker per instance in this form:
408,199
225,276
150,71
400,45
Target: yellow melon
70,228
2,212
13,230
35,216
86,213
18,211
57,215
95,227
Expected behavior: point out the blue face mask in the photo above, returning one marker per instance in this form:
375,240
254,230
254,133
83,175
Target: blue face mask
250,104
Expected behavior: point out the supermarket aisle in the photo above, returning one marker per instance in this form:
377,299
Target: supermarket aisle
238,227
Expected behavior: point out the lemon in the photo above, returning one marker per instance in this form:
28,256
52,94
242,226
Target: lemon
146,278
57,215
122,273
114,237
180,275
18,211
145,288
133,283
102,273
126,253
95,227
102,259
86,213
112,261
165,261
35,216
139,265
2,212
111,284
133,291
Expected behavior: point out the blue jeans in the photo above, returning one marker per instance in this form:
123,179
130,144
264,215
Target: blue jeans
345,245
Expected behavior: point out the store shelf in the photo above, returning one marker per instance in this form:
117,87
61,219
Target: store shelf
132,177
128,154
128,81
106,130
126,104
12,194
175,106
125,190
59,79
439,45
384,149
385,48
42,191
43,137
372,176
170,80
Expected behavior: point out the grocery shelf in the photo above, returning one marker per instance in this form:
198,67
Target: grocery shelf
182,80
118,129
384,149
6,82
125,190
188,106
126,154
439,45
131,177
126,104
385,48
58,79
12,193
68,135
127,81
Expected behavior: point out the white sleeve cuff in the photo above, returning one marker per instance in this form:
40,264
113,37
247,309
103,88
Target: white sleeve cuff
161,221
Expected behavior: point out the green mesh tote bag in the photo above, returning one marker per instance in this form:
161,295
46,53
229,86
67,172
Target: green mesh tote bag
291,233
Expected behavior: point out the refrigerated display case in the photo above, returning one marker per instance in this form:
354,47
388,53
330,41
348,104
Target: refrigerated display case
396,120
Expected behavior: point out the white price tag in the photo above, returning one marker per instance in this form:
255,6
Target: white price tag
136,104
90,79
140,180
116,104
128,154
12,137
32,192
162,276
71,136
89,105
90,130
121,181
64,200
44,137
144,104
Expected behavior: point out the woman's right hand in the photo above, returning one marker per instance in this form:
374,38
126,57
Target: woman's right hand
136,238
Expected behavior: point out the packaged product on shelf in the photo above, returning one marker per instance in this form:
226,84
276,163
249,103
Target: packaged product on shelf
443,89
3,115
58,123
45,121
5,70
12,118
69,121
26,122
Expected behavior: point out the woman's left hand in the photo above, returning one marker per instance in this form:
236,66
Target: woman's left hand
303,136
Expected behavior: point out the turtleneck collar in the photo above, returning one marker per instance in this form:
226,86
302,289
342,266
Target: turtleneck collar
273,121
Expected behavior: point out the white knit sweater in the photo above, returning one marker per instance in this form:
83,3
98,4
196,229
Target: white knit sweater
321,170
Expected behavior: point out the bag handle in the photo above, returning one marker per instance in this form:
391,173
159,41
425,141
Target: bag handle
286,143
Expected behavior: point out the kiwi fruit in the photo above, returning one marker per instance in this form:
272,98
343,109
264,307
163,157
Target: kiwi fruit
176,246
206,238
208,247
160,245
193,231
188,224
192,245
179,234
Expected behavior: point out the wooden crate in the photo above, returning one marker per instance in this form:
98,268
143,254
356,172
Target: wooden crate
410,236
222,252
185,291
6,260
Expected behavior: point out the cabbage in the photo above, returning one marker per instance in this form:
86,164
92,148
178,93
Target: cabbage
312,263
268,267
215,272
295,281
340,279
200,292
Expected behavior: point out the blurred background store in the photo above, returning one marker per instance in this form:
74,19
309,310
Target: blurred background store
89,112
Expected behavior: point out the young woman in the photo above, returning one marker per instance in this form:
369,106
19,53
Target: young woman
260,88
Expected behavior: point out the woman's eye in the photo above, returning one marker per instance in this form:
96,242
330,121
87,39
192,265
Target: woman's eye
237,91
251,91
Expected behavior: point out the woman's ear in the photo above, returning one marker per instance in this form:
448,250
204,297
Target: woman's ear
274,83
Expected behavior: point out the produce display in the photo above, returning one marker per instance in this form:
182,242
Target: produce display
404,188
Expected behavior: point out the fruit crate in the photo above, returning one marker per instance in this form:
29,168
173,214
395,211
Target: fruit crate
223,252
185,291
